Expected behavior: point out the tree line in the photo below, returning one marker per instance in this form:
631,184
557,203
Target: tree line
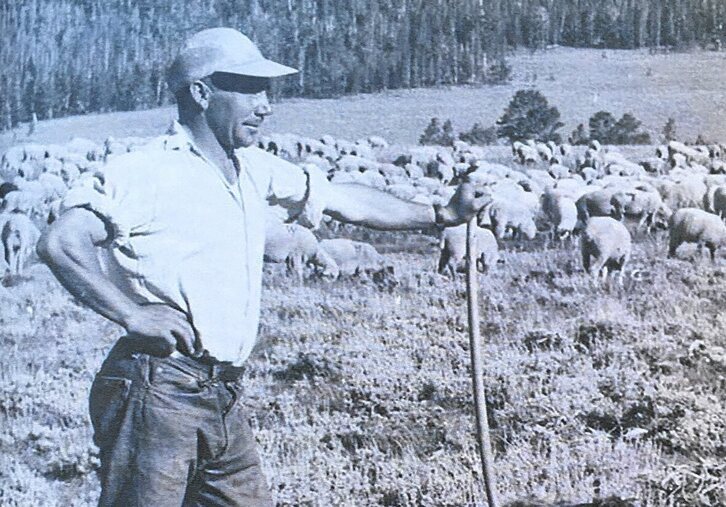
62,57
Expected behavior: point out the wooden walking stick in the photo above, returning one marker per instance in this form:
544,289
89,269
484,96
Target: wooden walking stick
477,375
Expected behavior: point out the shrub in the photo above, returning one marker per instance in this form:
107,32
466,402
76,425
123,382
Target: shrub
529,116
435,134
479,136
626,130
669,130
579,135
601,124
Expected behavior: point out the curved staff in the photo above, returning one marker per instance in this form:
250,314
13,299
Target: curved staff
477,375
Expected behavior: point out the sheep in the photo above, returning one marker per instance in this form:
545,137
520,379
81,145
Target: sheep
355,257
19,236
598,203
589,174
558,171
694,225
511,216
608,242
453,249
689,192
645,204
21,201
297,247
377,142
6,187
712,181
524,153
719,201
561,212
691,154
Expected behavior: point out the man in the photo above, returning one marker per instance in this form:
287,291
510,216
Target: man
182,227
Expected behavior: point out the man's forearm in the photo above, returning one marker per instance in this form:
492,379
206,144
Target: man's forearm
363,205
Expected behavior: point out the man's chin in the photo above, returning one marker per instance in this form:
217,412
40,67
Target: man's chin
246,142
248,139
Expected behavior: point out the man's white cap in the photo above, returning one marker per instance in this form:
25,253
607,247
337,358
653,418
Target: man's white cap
220,50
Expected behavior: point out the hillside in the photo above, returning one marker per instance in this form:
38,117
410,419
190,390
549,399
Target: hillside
579,82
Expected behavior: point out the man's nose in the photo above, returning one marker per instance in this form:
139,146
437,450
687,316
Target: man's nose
262,105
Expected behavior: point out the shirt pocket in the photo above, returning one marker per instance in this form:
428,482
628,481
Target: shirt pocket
107,403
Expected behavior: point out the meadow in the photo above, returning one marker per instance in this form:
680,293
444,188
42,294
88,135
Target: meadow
359,389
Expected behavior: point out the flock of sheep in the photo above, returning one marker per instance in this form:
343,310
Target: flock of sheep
547,189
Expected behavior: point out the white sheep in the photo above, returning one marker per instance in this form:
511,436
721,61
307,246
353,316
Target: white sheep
355,257
297,247
511,216
19,236
453,249
645,204
561,212
719,201
605,247
694,225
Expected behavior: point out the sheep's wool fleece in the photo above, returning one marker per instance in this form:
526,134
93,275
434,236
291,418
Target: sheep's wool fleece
180,234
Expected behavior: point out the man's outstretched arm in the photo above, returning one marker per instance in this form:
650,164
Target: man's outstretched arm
69,246
363,205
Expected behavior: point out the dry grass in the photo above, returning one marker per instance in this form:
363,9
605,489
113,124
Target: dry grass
361,392
685,86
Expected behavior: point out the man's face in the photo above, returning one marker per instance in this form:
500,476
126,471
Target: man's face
237,106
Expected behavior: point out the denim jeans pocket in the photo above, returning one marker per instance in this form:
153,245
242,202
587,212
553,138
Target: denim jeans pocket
107,403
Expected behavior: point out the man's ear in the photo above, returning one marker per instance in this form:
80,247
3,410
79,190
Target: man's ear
200,93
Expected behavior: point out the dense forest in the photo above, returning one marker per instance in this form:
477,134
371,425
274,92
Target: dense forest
62,57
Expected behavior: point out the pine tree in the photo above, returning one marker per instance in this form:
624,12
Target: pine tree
529,116
432,133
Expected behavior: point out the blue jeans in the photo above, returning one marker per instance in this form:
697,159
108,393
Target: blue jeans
172,432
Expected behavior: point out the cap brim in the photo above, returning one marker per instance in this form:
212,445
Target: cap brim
261,68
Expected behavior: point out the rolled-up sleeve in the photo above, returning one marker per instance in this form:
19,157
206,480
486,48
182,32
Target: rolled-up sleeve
122,194
302,190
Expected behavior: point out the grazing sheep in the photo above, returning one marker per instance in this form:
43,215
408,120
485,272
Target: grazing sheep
377,142
453,249
561,212
645,205
691,154
297,247
7,187
511,216
719,201
599,203
355,257
694,225
712,181
608,243
558,171
19,236
689,192
21,201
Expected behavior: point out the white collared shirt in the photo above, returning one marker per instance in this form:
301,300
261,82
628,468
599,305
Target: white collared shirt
180,234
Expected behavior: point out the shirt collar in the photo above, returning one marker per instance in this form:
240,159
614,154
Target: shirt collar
179,139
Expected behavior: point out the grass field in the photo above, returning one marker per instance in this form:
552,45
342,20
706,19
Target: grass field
686,86
360,391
